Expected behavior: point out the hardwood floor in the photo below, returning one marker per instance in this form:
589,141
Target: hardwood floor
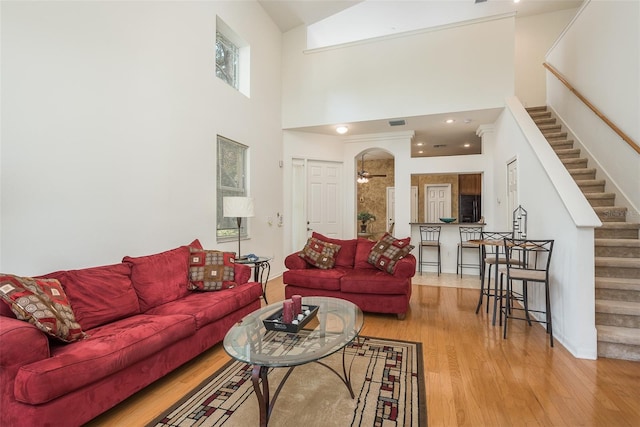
473,376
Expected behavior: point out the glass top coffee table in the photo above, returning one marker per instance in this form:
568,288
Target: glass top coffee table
337,323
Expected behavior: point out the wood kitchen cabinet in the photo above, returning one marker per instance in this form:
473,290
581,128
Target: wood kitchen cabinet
470,184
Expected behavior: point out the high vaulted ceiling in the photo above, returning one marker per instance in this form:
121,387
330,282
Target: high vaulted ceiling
438,138
288,14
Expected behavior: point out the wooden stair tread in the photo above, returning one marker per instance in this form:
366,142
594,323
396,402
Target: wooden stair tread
556,135
617,262
600,195
605,209
578,160
590,181
627,243
621,225
540,114
623,284
568,152
630,308
618,334
582,171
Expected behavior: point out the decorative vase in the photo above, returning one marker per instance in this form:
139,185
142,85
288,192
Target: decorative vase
363,227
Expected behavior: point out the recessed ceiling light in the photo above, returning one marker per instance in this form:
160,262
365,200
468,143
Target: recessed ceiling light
342,130
449,121
467,145
420,144
420,152
468,120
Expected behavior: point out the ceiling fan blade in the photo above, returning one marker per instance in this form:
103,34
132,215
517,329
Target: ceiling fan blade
364,174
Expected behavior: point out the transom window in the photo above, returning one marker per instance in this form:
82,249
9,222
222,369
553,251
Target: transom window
233,58
227,60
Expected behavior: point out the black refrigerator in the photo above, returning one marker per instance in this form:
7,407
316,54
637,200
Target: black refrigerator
470,209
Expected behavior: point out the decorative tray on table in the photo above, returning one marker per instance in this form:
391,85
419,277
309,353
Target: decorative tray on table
275,323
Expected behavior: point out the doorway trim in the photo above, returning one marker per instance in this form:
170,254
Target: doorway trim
512,189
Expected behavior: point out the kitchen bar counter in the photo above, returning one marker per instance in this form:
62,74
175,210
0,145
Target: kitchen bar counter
449,239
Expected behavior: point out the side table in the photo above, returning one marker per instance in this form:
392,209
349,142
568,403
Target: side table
261,270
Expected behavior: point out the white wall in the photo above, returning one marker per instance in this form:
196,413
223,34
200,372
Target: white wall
456,69
110,112
535,34
599,55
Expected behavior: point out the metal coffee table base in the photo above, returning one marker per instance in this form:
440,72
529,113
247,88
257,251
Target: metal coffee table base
265,404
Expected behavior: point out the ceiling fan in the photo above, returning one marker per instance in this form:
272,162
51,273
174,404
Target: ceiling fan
363,175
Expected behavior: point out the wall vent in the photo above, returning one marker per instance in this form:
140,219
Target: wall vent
400,122
439,145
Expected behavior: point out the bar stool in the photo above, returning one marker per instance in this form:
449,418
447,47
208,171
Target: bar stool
466,234
527,261
429,238
493,254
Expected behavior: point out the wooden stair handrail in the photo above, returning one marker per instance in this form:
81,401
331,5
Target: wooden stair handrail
615,128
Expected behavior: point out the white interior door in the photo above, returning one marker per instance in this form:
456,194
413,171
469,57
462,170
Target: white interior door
512,189
437,202
391,207
324,194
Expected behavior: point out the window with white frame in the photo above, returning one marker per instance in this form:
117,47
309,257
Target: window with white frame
231,181
227,59
233,57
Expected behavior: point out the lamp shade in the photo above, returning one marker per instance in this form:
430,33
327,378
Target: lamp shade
241,207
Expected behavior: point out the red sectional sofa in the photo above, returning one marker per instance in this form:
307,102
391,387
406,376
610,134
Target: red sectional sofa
141,323
353,278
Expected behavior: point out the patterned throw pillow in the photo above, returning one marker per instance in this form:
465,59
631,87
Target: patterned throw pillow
319,254
211,270
43,303
388,251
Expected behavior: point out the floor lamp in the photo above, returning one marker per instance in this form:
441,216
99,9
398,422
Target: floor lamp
239,207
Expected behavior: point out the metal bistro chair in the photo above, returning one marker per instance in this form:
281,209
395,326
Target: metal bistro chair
493,254
466,234
429,238
528,263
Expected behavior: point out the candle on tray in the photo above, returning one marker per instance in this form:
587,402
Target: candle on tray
287,311
297,304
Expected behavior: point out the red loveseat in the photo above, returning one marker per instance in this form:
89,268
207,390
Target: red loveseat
353,278
142,322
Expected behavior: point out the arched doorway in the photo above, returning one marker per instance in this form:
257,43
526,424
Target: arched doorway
375,177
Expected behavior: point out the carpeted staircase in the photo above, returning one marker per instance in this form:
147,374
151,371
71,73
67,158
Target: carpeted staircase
617,250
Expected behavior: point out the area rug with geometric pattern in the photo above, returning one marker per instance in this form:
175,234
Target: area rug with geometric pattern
387,378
